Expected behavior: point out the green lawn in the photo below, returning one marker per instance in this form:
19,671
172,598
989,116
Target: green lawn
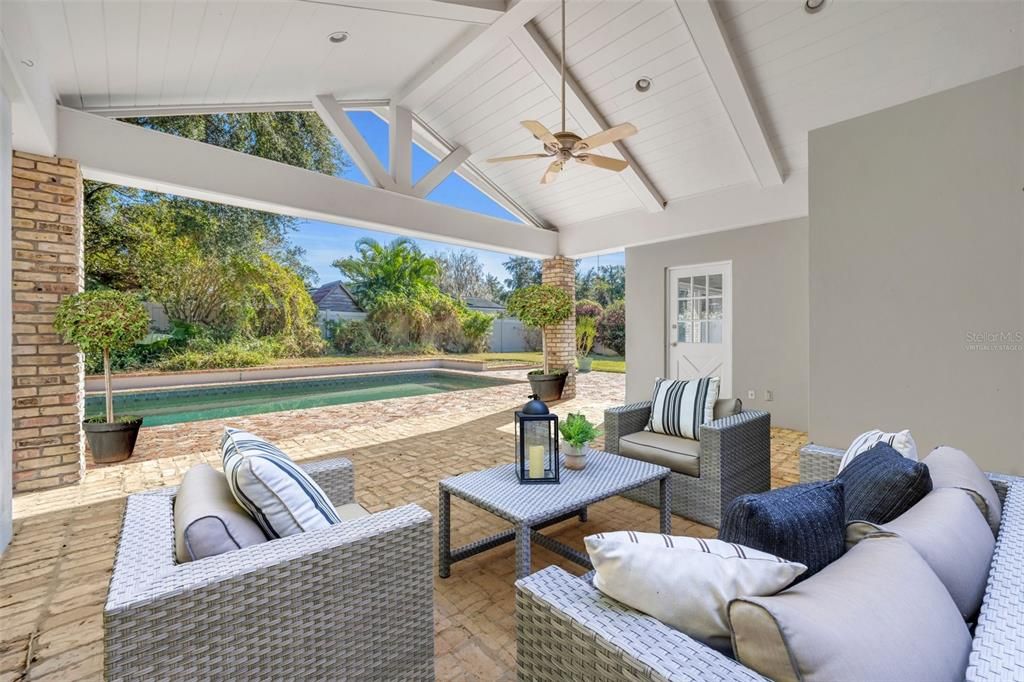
602,363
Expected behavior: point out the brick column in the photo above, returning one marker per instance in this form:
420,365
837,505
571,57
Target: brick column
48,374
560,340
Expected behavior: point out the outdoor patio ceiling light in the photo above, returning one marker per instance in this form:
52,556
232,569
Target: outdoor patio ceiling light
643,84
338,37
812,6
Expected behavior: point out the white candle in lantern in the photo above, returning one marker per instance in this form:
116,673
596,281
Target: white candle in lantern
536,461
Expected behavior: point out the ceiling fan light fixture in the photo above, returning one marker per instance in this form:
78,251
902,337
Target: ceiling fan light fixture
643,84
338,37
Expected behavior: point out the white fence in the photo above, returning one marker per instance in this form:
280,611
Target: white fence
507,336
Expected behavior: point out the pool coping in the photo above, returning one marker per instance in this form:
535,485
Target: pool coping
136,382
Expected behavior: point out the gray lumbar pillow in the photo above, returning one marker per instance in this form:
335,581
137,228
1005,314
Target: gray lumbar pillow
878,613
948,532
952,468
207,520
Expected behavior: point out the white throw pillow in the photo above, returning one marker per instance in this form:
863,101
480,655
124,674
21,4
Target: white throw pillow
901,441
679,408
279,494
687,583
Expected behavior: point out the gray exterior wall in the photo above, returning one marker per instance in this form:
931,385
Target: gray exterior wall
769,294
916,249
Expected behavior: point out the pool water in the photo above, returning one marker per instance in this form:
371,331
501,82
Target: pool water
176,405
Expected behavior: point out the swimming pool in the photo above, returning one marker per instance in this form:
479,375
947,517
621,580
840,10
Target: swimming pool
176,405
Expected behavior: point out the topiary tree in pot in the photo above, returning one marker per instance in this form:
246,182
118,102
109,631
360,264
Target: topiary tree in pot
543,305
98,322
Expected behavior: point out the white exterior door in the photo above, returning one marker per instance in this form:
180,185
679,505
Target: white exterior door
700,323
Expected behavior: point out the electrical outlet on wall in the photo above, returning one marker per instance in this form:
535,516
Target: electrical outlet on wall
769,395
751,394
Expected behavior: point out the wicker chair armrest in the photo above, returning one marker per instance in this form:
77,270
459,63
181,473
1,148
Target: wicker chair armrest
819,463
566,629
736,439
624,420
336,476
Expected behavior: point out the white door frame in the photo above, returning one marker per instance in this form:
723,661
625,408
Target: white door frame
670,312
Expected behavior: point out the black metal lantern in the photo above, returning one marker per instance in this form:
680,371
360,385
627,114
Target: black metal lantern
536,443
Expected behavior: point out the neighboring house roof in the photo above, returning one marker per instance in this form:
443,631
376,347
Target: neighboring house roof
483,305
334,297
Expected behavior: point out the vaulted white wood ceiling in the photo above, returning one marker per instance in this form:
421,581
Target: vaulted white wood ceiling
801,71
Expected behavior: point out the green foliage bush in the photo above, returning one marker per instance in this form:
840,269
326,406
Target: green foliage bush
611,328
353,337
102,319
588,308
205,353
476,330
586,333
540,305
577,430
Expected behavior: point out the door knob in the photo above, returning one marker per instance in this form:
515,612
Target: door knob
675,343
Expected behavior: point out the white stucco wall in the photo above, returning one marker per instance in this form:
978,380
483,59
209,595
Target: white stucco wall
6,441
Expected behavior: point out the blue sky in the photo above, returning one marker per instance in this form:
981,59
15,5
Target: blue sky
326,242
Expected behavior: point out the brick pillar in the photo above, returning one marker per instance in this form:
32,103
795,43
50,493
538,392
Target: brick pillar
560,340
48,374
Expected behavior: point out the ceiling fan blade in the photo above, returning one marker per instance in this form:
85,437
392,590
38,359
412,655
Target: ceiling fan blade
521,157
604,137
540,132
552,172
605,162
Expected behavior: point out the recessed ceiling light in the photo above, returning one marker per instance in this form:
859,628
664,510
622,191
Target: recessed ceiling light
812,6
338,37
643,84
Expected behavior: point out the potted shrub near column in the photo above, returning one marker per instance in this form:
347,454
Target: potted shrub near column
543,305
98,322
577,432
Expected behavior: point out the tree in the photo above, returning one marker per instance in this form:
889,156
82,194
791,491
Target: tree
101,321
611,328
522,272
112,213
605,284
461,274
398,268
496,291
541,305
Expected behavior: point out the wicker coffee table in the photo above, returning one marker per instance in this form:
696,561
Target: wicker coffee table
532,507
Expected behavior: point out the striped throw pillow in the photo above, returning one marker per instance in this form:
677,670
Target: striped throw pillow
685,582
680,407
279,495
901,441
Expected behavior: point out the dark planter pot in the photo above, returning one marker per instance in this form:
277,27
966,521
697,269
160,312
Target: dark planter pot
111,442
547,387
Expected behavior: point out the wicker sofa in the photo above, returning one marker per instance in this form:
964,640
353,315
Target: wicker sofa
353,601
734,458
566,629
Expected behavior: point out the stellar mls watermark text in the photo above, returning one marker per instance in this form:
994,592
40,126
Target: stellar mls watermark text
994,341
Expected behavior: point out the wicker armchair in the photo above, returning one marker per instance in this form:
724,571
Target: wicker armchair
353,601
566,629
735,458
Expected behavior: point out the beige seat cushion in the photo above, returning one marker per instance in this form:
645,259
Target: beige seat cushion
207,519
952,468
877,613
727,407
351,511
681,455
948,532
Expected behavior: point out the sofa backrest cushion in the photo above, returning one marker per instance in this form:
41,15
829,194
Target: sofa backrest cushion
278,493
879,613
901,441
881,484
952,468
681,407
684,582
727,407
950,535
804,523
207,519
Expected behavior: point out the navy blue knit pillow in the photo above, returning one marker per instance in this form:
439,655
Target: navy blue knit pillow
803,523
881,484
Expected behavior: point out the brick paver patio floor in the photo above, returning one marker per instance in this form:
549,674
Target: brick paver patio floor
53,577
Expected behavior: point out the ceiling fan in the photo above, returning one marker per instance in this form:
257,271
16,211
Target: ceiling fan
565,146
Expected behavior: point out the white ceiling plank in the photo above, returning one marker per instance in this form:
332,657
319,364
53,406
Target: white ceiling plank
88,44
154,31
400,147
535,49
112,151
464,54
442,170
197,109
724,209
467,11
121,19
338,122
717,55
34,105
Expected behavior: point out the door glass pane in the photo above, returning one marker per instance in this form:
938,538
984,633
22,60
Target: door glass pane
684,287
699,285
684,333
714,285
711,331
714,308
685,307
700,309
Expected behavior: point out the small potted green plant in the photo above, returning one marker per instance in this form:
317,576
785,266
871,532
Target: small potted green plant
98,322
543,305
586,332
577,434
